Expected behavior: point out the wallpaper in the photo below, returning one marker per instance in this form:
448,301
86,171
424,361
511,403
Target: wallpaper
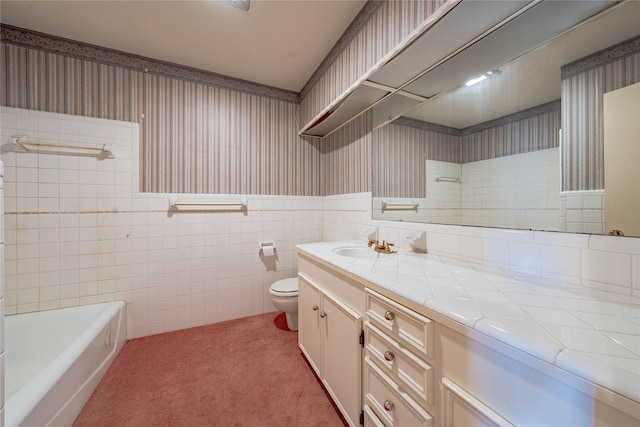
346,154
399,154
345,164
584,83
39,80
401,148
530,130
201,132
195,137
204,139
388,26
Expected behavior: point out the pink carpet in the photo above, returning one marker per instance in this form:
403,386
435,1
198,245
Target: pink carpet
245,372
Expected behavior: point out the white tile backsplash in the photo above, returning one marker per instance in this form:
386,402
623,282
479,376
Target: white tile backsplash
599,262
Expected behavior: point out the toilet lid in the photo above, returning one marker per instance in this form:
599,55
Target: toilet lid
288,287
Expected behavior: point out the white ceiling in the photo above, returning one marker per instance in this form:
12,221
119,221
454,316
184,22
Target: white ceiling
275,43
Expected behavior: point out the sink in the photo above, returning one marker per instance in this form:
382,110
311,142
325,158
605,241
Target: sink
359,252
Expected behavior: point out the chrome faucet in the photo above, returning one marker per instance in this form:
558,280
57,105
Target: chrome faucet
383,247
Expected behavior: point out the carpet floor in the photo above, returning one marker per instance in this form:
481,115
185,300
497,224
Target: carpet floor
244,372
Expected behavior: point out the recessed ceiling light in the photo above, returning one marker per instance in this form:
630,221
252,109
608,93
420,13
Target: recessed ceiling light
485,76
476,80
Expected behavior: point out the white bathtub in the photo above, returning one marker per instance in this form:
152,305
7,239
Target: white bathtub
55,359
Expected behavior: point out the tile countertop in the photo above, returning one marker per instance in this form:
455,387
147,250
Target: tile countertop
592,334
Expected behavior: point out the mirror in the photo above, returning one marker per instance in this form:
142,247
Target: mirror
521,149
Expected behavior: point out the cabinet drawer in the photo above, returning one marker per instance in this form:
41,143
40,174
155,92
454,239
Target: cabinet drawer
404,325
392,405
370,418
400,363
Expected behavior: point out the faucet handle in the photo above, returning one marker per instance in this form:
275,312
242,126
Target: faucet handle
387,248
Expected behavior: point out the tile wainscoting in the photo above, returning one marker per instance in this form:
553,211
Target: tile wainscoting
582,211
79,232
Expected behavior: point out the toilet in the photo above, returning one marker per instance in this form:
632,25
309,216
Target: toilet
284,294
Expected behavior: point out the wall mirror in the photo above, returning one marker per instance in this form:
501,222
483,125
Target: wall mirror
523,148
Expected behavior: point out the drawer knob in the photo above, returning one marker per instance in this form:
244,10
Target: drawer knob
388,405
389,356
323,314
315,307
389,315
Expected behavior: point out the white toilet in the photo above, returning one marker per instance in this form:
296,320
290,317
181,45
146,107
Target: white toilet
284,294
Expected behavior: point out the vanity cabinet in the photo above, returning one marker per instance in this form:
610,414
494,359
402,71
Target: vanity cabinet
421,372
329,335
398,379
486,383
420,367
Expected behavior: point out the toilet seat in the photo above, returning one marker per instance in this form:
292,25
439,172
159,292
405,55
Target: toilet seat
285,288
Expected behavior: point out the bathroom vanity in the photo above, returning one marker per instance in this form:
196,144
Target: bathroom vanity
419,340
330,308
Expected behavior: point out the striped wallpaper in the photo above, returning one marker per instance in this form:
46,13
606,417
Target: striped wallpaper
212,140
584,83
401,148
198,134
195,137
536,129
345,165
393,21
39,80
398,158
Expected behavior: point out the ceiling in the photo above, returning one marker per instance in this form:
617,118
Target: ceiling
275,43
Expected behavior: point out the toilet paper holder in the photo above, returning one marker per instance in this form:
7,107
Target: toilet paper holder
267,248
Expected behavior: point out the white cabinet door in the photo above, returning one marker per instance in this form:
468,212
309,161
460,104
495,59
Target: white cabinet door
328,335
342,356
309,324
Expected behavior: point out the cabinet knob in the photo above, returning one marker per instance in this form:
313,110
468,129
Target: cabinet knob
323,314
389,315
388,405
315,307
389,356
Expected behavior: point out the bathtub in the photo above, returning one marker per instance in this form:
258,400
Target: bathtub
55,359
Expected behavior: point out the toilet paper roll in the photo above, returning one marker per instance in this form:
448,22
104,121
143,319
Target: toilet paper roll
268,250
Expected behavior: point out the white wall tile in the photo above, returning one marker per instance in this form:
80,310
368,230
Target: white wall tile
562,261
607,267
100,256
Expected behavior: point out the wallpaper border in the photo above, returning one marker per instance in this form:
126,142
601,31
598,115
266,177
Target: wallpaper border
428,126
75,49
597,59
501,121
547,107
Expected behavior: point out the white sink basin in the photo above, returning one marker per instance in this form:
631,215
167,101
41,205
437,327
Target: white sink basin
359,252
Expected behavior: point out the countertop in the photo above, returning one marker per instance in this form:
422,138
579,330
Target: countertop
591,334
